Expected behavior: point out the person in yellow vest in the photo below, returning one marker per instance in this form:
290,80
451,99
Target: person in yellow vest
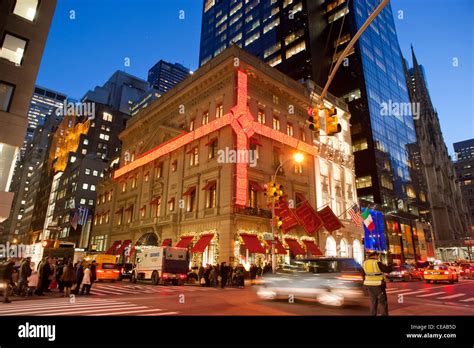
374,282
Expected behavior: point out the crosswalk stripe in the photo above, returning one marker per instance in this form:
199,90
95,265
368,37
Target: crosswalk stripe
451,296
140,311
71,308
392,291
53,306
414,292
432,294
468,300
111,308
38,303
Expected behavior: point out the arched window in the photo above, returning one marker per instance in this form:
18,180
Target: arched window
357,251
331,247
344,250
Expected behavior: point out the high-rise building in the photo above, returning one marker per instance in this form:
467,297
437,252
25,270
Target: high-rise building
464,166
24,27
162,77
438,189
43,104
119,92
304,39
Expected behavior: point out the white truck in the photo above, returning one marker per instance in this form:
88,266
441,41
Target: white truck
161,265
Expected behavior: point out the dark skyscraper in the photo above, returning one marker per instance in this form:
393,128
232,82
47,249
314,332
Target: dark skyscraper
163,75
304,38
464,166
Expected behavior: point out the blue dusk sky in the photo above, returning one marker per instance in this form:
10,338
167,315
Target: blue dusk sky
82,53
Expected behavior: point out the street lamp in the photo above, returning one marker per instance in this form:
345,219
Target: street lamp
298,158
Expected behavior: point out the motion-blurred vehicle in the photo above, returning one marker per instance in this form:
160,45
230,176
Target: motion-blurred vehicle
422,265
162,265
125,270
440,273
405,273
467,271
454,266
328,280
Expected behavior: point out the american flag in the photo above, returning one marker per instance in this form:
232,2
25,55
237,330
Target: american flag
74,218
354,212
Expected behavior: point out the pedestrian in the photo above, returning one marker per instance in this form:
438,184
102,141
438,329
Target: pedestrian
44,271
253,273
224,273
79,276
239,273
374,283
213,276
67,278
7,279
86,281
59,272
207,275
25,272
230,275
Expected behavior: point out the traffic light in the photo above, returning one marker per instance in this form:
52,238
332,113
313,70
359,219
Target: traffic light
278,192
313,119
278,222
44,244
332,122
273,191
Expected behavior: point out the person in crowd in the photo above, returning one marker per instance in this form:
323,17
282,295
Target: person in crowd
25,272
86,281
224,274
207,275
239,273
259,270
253,273
44,271
68,278
213,276
231,275
79,276
8,270
201,271
59,272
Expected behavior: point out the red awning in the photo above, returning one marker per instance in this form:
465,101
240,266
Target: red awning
312,248
184,242
255,141
252,243
211,141
113,247
155,200
166,242
256,186
295,247
279,248
123,246
189,191
209,185
202,243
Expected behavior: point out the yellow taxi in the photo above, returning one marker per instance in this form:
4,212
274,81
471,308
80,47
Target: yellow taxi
106,268
440,273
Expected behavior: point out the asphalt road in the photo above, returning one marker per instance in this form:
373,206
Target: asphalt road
124,298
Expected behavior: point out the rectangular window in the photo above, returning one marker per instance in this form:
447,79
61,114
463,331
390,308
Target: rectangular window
252,39
261,116
191,203
174,166
338,14
107,117
124,186
191,125
6,96
219,111
194,158
252,198
269,51
289,129
92,187
213,149
13,49
298,168
363,182
159,171
276,123
302,134
171,204
205,118
82,201
211,197
359,145
296,49
271,25
95,173
146,176
134,182
85,186
26,9
275,61
293,37
91,202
